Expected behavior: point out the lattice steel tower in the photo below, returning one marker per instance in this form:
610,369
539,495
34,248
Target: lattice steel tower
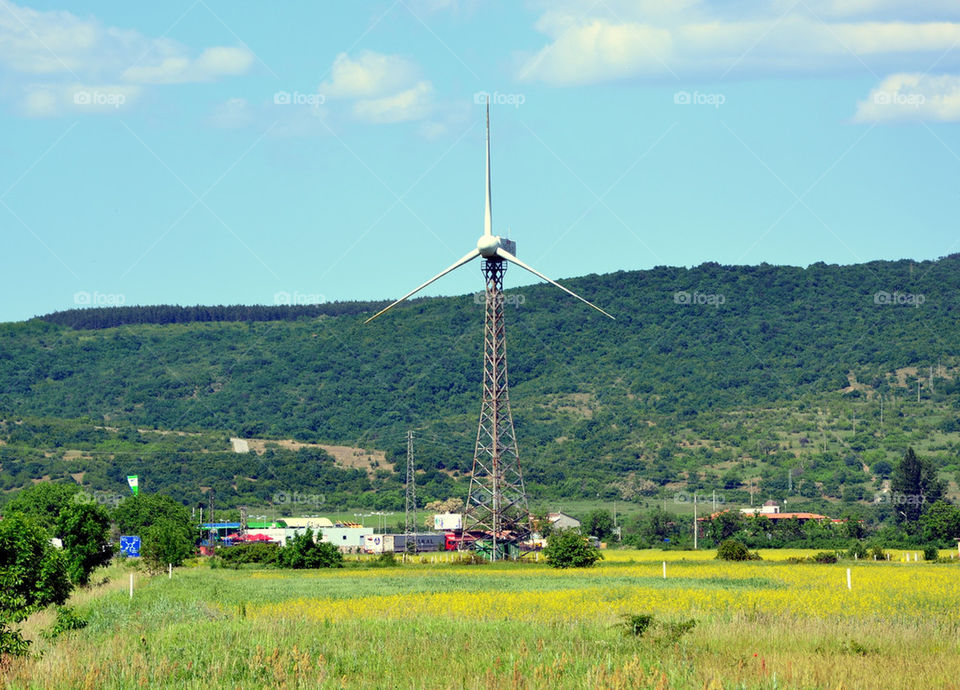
410,525
496,503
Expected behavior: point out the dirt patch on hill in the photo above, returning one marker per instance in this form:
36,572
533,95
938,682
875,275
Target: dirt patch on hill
343,456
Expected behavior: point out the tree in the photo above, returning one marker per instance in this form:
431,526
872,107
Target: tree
567,548
915,485
542,524
33,575
941,523
734,550
85,531
166,542
303,552
725,525
43,502
599,523
136,514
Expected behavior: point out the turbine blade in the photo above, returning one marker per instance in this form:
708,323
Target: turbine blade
472,255
503,254
488,210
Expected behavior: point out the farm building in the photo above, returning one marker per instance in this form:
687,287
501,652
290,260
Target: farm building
563,521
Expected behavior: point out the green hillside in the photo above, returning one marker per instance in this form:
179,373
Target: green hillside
716,378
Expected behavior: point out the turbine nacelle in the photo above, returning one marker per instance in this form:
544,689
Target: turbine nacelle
488,245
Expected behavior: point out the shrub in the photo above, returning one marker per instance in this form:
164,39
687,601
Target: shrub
931,553
637,623
858,550
569,549
67,620
303,552
262,553
734,550
384,560
824,557
876,551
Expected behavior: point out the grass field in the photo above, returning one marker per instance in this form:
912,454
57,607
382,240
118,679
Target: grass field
759,624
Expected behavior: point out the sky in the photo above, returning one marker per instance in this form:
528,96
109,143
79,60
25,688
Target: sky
212,152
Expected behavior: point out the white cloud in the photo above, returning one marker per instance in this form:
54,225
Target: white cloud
371,75
67,51
383,88
703,43
410,104
211,64
912,97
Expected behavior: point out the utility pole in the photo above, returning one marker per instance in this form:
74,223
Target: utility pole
918,389
410,526
881,411
790,479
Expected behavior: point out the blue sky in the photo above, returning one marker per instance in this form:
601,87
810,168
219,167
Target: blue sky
206,152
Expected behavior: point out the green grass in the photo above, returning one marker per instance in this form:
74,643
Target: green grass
249,628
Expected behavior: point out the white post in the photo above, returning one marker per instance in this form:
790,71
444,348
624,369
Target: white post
849,584
695,530
664,570
169,571
131,585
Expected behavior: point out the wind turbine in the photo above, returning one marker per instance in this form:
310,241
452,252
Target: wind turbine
496,503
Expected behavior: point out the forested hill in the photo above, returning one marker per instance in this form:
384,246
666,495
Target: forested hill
111,317
670,385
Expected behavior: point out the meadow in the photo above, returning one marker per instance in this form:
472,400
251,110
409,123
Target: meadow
760,624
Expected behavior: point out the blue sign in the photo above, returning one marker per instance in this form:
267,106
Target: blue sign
130,546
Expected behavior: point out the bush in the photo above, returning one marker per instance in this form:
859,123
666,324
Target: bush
303,552
569,549
66,621
876,551
931,553
262,553
824,557
384,560
637,623
858,551
734,550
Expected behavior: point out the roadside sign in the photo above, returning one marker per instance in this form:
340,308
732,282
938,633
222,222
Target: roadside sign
130,546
